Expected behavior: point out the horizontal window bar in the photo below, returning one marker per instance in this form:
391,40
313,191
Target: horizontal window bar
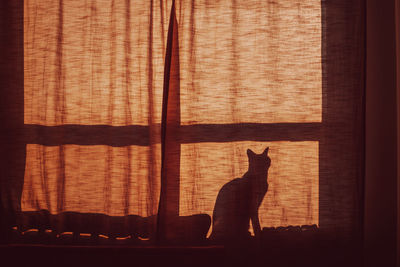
140,135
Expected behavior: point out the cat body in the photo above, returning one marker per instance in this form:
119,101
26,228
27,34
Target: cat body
238,201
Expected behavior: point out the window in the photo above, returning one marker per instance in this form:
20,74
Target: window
246,75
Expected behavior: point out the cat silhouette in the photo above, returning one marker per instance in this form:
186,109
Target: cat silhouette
238,201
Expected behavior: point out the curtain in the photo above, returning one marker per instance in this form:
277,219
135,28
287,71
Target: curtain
100,69
135,114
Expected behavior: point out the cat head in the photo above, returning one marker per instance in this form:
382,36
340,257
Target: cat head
259,163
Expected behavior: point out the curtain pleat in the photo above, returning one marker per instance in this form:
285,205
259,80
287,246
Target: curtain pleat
171,148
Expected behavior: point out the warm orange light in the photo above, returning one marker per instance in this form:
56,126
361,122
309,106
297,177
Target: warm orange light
250,65
292,197
30,231
123,238
238,68
88,170
65,233
97,68
85,234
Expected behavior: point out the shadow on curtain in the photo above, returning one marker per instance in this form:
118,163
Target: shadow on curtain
110,120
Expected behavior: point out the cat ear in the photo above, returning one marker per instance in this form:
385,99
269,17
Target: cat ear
250,153
265,153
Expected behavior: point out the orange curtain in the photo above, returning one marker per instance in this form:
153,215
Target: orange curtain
133,109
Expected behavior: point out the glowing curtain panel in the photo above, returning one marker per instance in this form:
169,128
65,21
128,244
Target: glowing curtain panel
93,77
242,83
133,109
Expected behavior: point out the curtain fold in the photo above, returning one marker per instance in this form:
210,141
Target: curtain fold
171,149
137,113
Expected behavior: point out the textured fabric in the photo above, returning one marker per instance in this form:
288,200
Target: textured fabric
122,112
247,72
94,63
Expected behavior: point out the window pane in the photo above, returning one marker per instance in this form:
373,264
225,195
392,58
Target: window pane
292,197
93,62
92,179
257,61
